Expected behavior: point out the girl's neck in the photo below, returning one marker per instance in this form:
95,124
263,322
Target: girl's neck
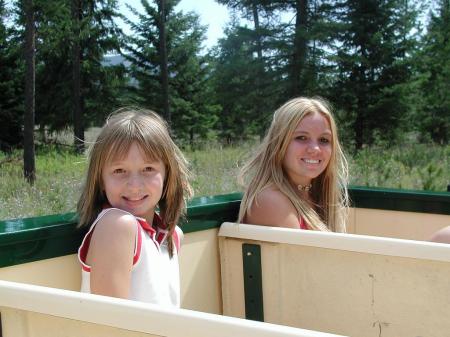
150,218
300,184
304,194
302,189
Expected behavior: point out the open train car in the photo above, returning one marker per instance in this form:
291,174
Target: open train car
381,279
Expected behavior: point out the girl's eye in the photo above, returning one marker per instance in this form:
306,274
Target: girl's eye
300,137
148,169
119,171
324,140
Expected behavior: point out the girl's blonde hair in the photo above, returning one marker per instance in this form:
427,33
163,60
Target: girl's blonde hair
265,169
123,128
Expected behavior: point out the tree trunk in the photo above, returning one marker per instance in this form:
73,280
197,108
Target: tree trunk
29,168
257,30
77,111
362,104
259,76
300,48
163,59
359,130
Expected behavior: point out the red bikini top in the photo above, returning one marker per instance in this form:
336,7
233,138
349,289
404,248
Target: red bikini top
303,224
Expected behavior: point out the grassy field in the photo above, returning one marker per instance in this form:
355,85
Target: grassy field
60,174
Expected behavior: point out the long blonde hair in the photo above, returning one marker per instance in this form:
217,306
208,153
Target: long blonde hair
122,128
265,169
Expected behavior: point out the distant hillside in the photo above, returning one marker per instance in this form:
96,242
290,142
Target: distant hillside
113,60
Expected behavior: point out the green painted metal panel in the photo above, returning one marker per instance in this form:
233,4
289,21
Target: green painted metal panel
31,239
210,212
400,200
251,261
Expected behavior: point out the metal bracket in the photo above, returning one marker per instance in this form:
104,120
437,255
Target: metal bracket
251,260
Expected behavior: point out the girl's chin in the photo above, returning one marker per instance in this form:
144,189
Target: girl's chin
312,173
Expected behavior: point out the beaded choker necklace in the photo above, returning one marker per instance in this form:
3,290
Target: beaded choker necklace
304,188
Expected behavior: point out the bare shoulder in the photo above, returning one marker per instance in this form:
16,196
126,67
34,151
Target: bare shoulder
273,208
114,235
117,223
111,253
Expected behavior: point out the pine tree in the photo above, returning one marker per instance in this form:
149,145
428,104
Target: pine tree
249,69
373,67
29,167
192,111
99,85
434,117
247,96
11,84
77,114
254,10
275,60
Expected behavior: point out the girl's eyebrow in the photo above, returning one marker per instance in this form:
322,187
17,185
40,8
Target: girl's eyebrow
114,162
301,131
152,161
327,132
123,161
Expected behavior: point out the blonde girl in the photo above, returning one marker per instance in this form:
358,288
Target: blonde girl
130,250
298,176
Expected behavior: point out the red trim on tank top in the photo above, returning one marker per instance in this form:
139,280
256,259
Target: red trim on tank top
157,235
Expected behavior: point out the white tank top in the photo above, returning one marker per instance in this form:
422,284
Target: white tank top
155,277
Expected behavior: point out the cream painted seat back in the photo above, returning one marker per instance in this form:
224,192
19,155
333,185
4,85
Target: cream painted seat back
346,284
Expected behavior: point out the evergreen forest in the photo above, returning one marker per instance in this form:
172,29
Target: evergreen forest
383,64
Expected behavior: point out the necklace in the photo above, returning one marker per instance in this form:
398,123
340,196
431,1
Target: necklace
304,188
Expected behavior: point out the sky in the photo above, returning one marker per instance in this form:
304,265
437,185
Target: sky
212,14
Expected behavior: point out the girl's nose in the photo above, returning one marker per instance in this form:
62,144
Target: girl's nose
134,181
313,146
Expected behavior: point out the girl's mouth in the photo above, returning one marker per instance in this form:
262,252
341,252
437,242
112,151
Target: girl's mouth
135,199
311,161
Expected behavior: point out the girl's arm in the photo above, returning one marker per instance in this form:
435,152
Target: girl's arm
442,235
111,253
273,209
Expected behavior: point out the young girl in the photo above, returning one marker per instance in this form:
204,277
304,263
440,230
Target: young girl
298,176
130,251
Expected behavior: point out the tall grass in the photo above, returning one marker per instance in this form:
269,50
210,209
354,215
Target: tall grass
410,166
215,168
60,173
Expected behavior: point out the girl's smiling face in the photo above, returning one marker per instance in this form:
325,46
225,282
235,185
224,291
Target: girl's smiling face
309,150
134,183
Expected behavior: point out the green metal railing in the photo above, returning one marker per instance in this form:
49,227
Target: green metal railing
32,239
